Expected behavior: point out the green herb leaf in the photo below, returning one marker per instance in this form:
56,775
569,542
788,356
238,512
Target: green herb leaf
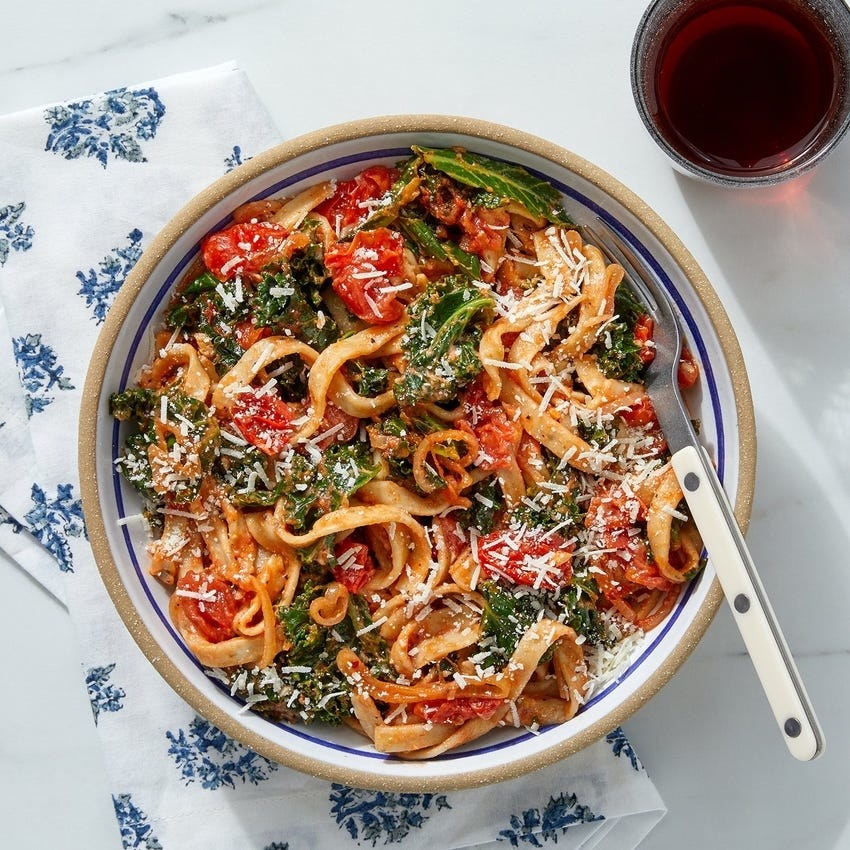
308,490
440,342
486,497
499,178
285,303
617,351
430,245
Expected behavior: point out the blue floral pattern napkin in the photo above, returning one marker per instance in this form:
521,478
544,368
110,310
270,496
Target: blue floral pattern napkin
84,186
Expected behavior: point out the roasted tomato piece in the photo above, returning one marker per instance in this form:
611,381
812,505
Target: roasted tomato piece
453,535
639,413
457,711
484,230
688,372
533,558
611,509
354,568
444,200
243,248
644,328
247,333
622,564
365,272
265,420
498,437
210,604
353,199
343,427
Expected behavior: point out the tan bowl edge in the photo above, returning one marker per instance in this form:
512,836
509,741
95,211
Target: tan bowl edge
206,199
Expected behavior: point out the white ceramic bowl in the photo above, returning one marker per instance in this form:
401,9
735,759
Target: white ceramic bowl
724,408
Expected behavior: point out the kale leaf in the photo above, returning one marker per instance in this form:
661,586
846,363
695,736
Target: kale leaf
506,618
310,489
302,631
289,301
194,431
592,433
510,612
617,351
545,510
486,497
213,308
441,341
307,266
430,245
244,472
367,380
187,306
135,403
314,689
396,436
502,179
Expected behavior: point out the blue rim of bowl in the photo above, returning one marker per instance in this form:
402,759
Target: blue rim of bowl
154,310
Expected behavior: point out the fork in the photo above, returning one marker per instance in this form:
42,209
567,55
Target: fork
712,513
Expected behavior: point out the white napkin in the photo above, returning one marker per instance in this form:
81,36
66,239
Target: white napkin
83,188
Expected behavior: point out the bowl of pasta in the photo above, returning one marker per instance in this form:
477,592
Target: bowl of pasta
368,466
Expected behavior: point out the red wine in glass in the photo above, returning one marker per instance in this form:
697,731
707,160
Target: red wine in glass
743,87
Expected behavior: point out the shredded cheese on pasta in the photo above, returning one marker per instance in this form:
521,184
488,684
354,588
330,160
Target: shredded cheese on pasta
391,481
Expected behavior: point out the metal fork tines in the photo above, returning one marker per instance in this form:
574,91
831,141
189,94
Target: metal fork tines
712,512
661,377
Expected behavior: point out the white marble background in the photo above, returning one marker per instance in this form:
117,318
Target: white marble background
779,259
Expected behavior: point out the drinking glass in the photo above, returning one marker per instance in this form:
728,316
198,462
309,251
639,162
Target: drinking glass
744,92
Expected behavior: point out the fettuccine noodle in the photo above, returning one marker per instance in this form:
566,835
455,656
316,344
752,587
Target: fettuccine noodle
399,461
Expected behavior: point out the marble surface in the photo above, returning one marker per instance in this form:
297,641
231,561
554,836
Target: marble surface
778,259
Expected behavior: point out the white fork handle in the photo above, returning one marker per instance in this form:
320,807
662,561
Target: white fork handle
751,608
